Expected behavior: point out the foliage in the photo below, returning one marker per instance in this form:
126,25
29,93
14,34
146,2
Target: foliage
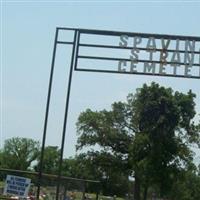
187,187
19,153
147,137
50,160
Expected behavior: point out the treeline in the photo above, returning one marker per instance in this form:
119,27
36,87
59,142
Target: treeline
142,146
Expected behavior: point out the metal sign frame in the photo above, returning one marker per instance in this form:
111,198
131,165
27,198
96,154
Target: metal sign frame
73,67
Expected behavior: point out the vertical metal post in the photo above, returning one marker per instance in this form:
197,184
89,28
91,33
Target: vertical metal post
47,114
77,51
97,195
75,44
84,190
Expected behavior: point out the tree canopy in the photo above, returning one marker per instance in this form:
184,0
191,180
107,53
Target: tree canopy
148,137
19,153
50,160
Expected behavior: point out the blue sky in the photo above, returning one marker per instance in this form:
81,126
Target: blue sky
27,32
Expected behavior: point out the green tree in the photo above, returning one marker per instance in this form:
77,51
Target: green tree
149,136
187,187
50,160
19,153
165,132
96,165
79,167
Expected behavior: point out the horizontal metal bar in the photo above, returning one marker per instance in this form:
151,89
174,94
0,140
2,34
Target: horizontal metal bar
144,35
67,28
47,175
135,73
129,60
62,42
128,48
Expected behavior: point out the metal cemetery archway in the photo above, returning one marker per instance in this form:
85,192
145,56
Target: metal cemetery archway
132,53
